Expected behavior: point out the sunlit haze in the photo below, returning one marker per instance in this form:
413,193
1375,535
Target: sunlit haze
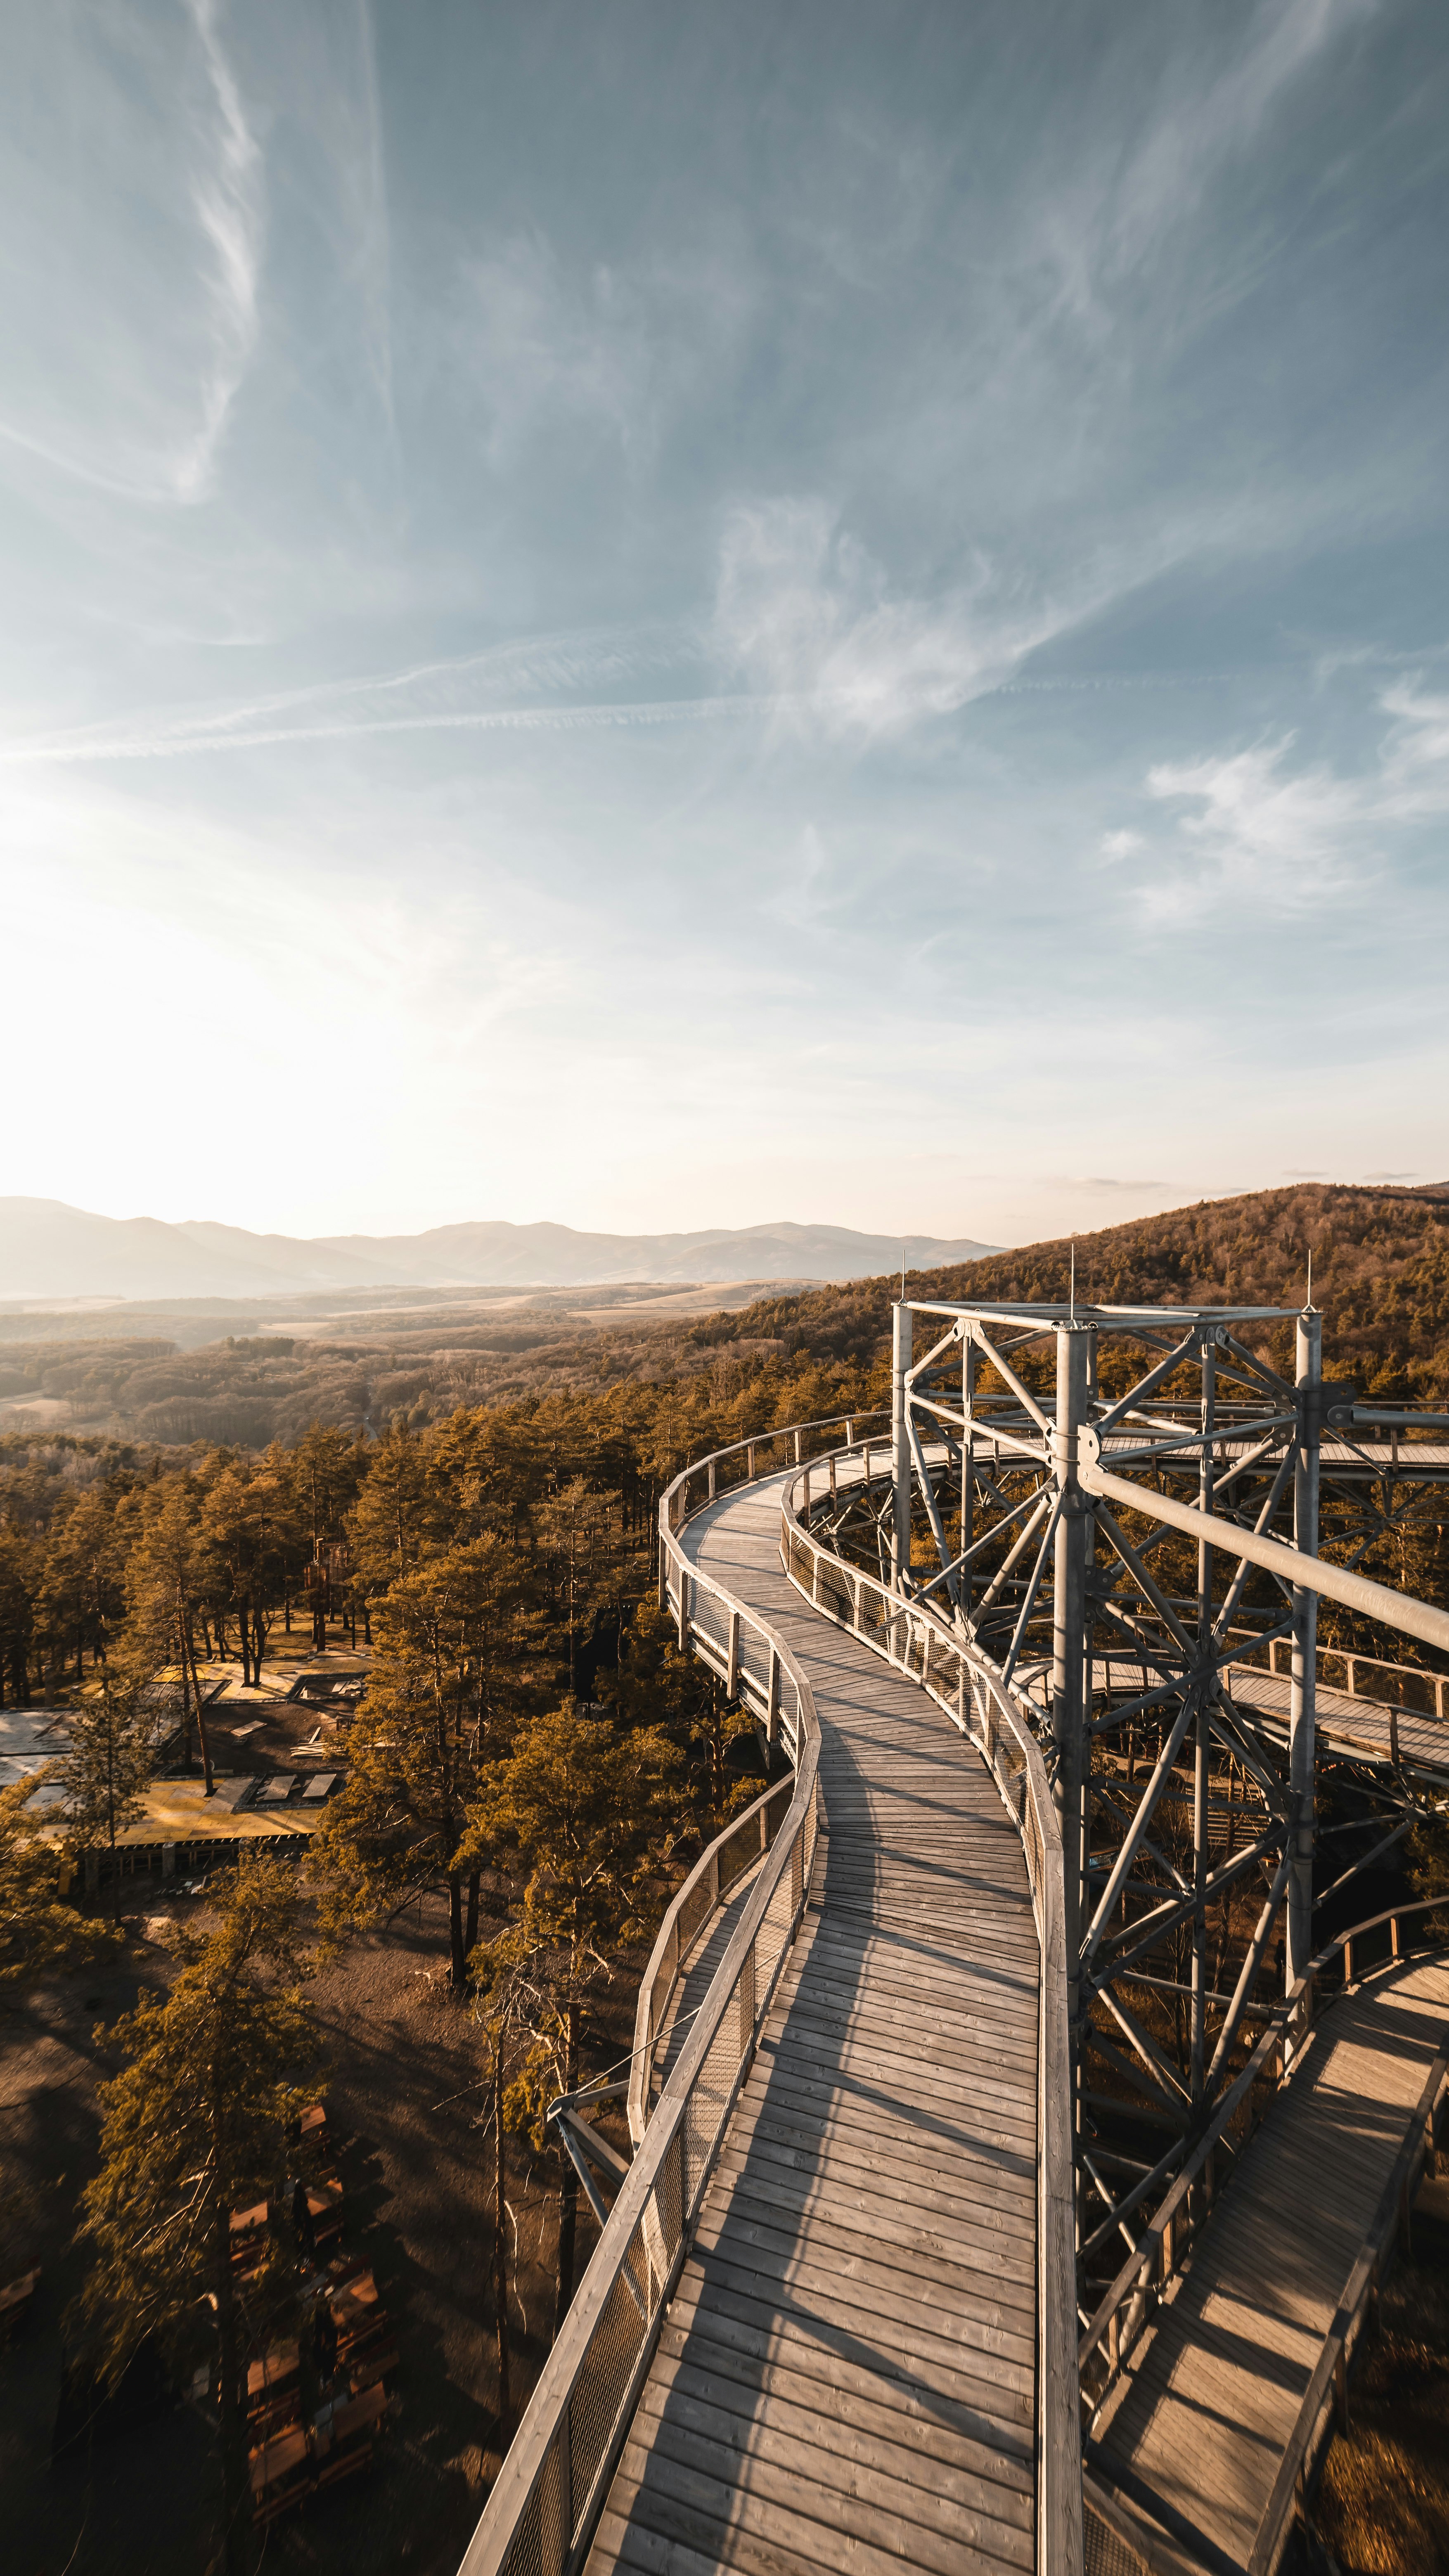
669,616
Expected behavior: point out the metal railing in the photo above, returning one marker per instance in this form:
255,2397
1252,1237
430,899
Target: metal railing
1407,1686
1163,2247
719,1869
918,1642
541,2513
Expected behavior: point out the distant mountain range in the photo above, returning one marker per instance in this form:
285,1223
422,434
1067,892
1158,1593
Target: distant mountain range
48,1250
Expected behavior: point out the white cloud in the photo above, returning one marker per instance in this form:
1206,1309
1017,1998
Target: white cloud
131,224
802,612
1290,839
1117,217
228,206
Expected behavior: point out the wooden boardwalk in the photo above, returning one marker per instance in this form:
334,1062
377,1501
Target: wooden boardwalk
1209,2399
846,2377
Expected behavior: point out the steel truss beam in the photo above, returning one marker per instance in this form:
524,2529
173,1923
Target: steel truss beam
1073,1443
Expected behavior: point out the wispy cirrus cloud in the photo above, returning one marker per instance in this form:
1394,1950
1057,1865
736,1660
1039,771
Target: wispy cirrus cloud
807,617
228,202
132,216
1291,838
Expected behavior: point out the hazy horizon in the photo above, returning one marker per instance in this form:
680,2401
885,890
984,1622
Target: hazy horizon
619,619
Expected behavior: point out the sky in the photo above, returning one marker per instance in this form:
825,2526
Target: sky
660,616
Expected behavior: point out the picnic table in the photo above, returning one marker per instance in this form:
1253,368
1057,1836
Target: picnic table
324,2207
276,2371
342,2434
248,2238
281,2473
365,2347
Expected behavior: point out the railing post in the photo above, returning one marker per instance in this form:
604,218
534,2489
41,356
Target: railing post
747,2007
750,1459
711,1480
1075,1369
799,1446
832,1476
900,1447
772,1700
683,1609
1299,1946
732,1676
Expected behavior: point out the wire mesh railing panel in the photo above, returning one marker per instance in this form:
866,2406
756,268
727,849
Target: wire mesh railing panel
736,1856
603,2383
711,2095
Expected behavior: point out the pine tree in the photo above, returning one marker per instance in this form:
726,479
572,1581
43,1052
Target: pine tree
657,1685
79,1600
579,1535
106,1769
325,1472
195,2126
455,1646
586,1815
168,1573
246,1521
39,1931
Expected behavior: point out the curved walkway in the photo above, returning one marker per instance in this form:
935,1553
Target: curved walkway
846,2378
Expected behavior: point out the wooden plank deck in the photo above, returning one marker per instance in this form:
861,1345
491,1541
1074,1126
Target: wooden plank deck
1210,2397
847,2376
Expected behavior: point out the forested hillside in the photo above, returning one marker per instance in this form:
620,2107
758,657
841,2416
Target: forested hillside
548,1404
1380,1274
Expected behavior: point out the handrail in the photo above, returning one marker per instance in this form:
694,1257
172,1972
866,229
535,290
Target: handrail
1163,2245
540,2515
916,1640
744,1839
1330,2379
748,1449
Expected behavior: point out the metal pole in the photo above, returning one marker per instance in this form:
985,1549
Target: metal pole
900,1448
968,1469
1069,1628
1201,1768
1305,1650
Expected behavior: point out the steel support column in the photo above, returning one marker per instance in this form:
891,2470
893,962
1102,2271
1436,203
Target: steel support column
1309,1373
1202,1766
1070,1689
900,1448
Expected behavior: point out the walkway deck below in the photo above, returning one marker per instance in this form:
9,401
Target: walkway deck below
846,2378
1209,2399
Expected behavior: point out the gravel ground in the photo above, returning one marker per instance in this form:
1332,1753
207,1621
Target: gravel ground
129,2500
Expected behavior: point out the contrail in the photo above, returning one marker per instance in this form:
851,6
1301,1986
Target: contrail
555,719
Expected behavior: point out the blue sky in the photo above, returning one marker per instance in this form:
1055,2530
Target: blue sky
657,615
